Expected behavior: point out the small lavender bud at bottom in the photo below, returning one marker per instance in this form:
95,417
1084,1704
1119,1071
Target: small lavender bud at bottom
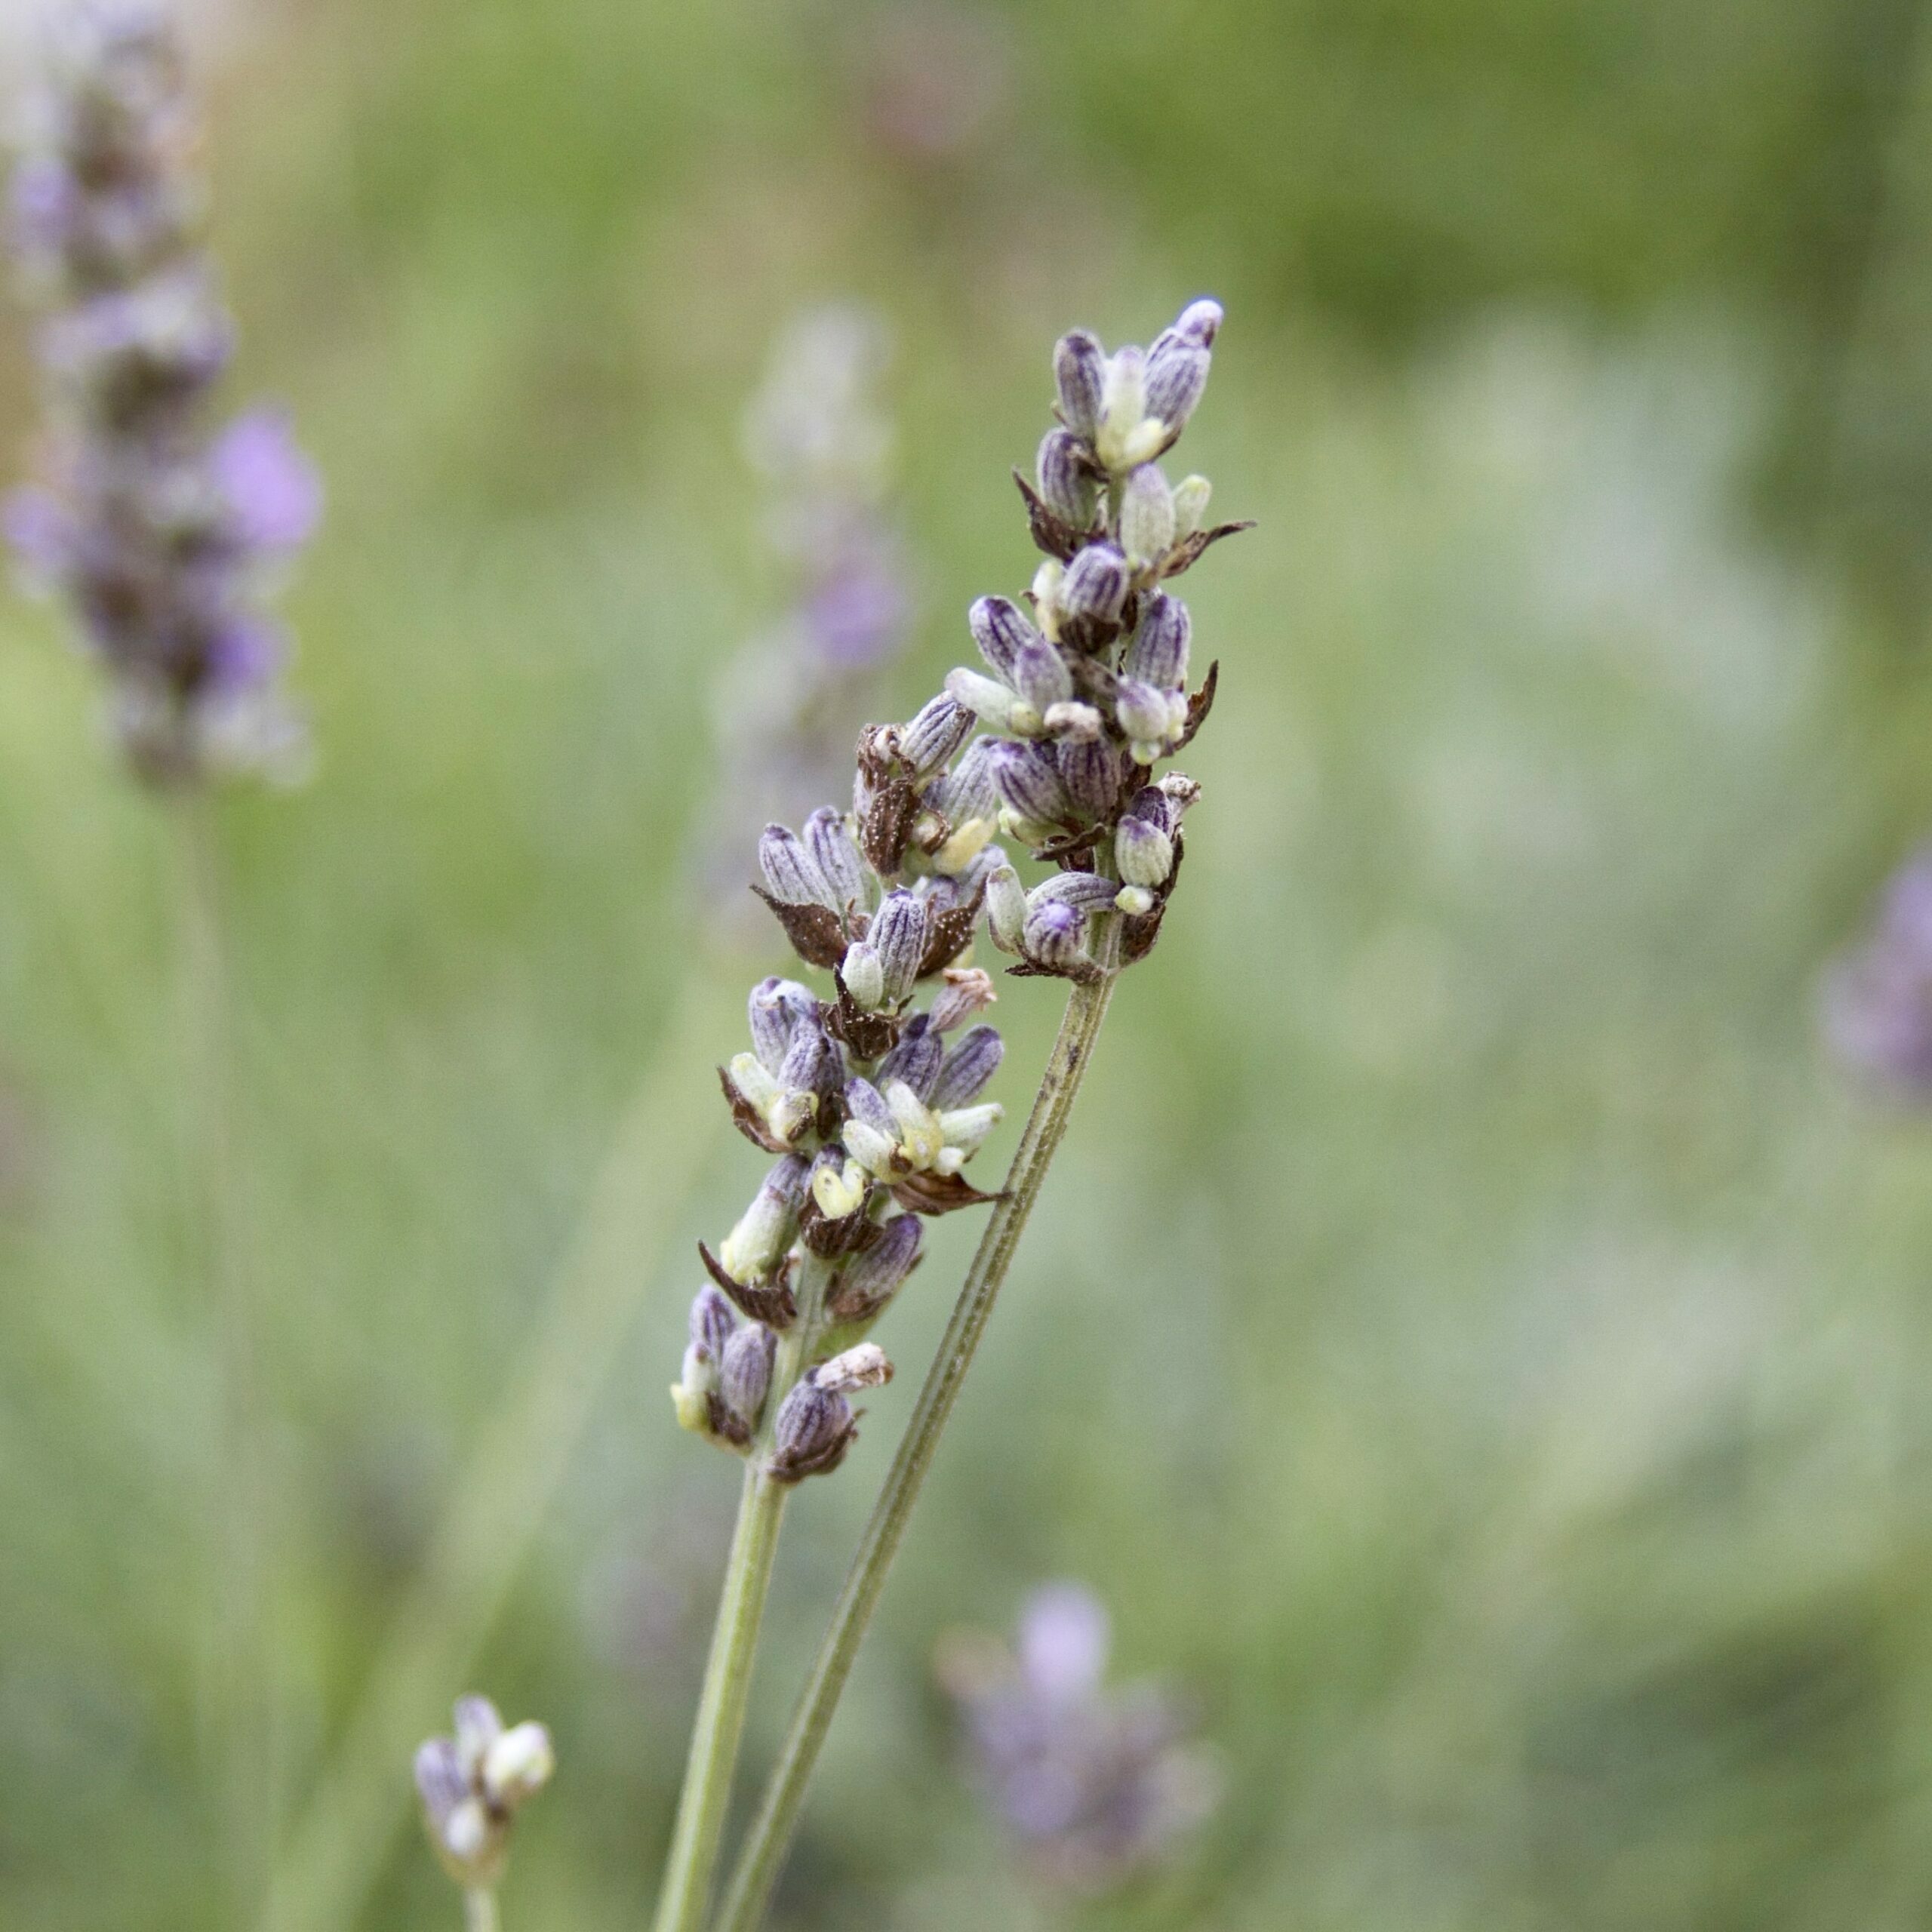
520,1762
874,1276
865,1367
999,628
1029,782
478,1725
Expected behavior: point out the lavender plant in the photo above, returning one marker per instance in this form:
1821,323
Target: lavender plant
870,1116
1097,1787
162,534
471,1786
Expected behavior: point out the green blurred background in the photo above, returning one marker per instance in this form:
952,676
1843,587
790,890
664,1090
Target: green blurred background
1473,1339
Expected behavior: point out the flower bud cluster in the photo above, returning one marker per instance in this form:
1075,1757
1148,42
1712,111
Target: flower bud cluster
163,536
473,1784
1098,1786
1087,691
868,1101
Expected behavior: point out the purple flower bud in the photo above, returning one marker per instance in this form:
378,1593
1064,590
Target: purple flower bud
244,653
1092,769
968,791
1000,628
1176,375
1085,892
1144,853
932,736
872,1278
1199,323
1141,710
864,1102
441,1780
968,1067
1040,674
915,1060
712,1323
1062,1644
1028,780
812,1062
1067,486
898,934
1080,370
744,1372
273,493
1151,803
1052,934
1158,655
811,1427
790,871
1146,515
1095,585
837,859
776,1008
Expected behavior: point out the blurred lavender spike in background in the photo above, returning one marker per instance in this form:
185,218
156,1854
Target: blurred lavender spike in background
791,701
159,536
1098,1787
1877,1001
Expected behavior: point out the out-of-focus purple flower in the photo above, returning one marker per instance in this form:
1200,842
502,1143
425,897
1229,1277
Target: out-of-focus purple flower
1877,1000
153,529
1098,1787
790,703
274,493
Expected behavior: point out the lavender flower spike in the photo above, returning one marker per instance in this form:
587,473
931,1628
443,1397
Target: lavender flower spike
471,1786
161,534
1097,1787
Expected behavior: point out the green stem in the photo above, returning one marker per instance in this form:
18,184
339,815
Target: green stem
242,1662
719,1726
770,1832
336,1856
479,1909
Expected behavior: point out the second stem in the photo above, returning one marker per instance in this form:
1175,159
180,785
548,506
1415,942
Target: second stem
771,1831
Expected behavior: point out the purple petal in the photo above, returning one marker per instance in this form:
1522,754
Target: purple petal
1063,1639
273,490
246,654
40,529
